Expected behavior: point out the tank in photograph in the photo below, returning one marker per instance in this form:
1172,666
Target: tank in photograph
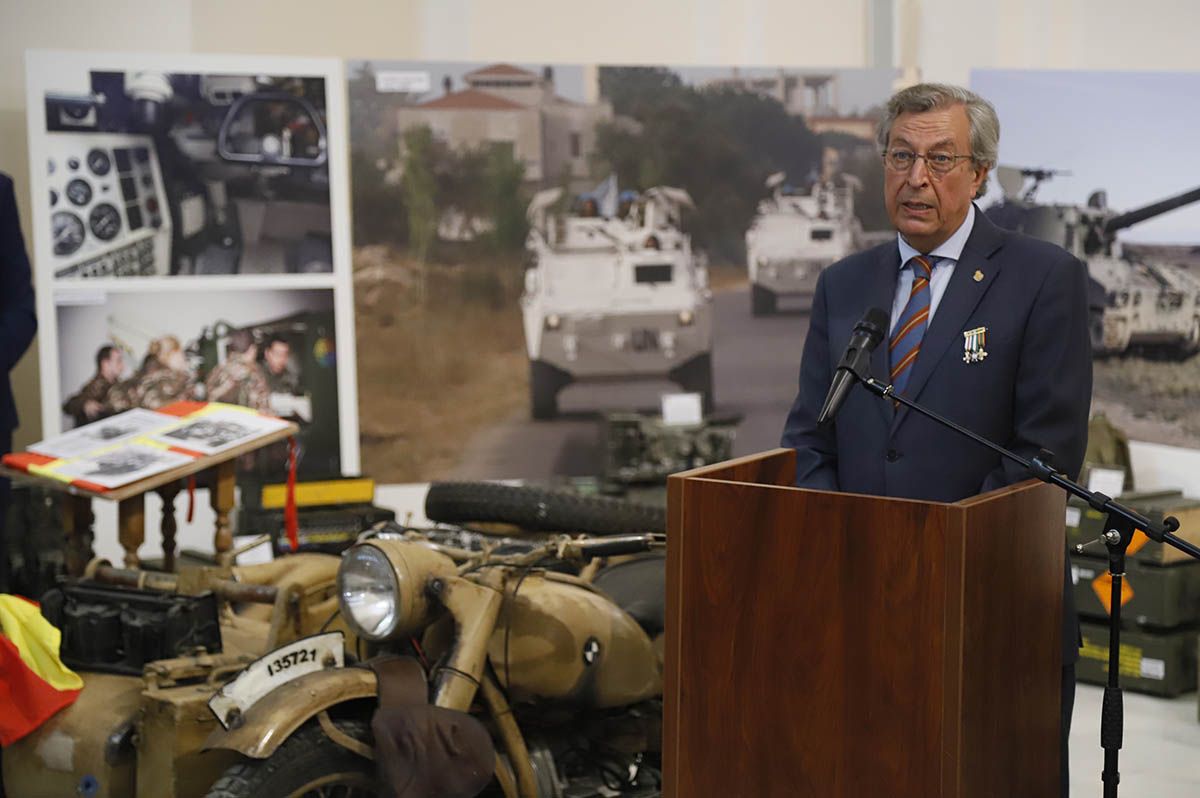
1136,303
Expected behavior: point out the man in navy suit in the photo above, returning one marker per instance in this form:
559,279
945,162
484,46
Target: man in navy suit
957,287
18,323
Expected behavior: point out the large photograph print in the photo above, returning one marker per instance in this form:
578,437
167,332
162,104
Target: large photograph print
1091,161
272,350
191,240
541,246
152,172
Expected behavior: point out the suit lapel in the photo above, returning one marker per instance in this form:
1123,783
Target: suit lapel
881,294
962,296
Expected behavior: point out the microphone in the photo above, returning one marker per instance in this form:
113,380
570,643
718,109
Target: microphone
855,361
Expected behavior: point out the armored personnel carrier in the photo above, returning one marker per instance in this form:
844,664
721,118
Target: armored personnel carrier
1136,303
795,235
614,296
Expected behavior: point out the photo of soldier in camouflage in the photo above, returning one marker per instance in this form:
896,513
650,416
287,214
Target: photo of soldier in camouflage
239,380
280,374
273,351
91,403
164,377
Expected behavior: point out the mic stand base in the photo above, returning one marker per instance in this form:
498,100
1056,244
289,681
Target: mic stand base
1117,537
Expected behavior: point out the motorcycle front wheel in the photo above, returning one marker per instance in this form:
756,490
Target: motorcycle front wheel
307,765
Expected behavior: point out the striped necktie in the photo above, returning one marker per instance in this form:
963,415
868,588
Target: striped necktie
910,330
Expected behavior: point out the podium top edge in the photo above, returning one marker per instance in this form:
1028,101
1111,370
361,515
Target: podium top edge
709,474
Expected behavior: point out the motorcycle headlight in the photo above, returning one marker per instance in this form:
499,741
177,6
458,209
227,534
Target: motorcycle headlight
369,592
382,587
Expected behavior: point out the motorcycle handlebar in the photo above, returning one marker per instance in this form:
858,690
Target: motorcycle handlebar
612,546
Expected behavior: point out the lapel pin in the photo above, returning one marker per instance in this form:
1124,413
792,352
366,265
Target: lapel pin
978,276
974,342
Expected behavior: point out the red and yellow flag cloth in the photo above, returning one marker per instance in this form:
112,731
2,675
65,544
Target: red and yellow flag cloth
34,684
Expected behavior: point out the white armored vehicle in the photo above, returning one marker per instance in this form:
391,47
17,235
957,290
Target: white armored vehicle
796,235
617,296
1137,302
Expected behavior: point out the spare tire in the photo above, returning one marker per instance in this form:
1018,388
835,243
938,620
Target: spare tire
539,509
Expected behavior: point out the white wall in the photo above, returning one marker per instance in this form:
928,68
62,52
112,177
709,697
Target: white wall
956,36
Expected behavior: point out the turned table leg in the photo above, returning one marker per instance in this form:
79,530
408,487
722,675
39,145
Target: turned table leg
77,523
222,504
169,525
131,527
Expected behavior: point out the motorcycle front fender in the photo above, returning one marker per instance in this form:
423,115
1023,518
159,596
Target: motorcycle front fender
277,716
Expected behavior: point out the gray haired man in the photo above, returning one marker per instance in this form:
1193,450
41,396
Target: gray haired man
949,272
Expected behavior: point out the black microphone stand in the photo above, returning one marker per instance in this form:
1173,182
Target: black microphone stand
1120,525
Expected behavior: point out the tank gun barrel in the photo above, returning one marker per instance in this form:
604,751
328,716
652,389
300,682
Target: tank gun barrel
1130,218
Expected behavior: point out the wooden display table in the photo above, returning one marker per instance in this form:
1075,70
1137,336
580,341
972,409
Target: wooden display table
131,503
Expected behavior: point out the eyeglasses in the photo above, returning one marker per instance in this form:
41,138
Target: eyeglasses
938,163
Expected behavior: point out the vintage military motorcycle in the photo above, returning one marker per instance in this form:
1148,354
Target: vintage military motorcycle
493,666
438,661
152,648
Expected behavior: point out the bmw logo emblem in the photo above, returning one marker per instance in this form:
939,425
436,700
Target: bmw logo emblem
591,651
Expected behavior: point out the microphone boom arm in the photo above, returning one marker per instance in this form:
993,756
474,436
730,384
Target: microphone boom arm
1163,533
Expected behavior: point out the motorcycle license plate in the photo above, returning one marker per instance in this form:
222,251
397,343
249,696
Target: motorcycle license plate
274,670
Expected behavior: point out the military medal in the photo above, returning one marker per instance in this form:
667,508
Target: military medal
974,342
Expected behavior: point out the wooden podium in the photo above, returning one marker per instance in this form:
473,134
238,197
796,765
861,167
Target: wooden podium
842,646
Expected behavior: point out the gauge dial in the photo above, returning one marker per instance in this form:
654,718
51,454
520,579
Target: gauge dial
105,222
68,232
79,192
99,162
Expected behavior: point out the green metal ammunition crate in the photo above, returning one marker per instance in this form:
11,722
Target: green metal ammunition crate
1085,525
1158,664
1160,596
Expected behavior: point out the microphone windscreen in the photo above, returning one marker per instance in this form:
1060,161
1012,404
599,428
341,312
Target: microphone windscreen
876,323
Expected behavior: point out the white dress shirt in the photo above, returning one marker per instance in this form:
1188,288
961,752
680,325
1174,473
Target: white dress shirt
944,258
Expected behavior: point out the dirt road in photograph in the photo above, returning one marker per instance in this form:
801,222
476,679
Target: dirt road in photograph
755,365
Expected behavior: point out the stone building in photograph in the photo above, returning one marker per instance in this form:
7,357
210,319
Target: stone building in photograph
506,106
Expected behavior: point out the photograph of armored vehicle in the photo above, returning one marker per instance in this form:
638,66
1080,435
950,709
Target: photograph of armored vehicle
161,174
1136,303
797,233
614,293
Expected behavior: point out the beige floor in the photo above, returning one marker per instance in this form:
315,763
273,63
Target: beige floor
1160,757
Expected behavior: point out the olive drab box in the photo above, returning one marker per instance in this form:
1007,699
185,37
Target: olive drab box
1157,596
1157,664
1085,525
